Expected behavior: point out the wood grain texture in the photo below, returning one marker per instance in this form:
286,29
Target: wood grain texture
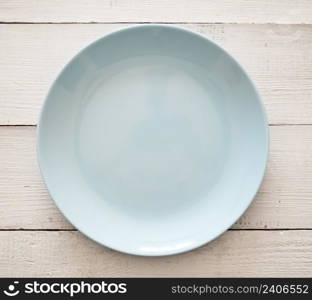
284,200
24,200
234,254
242,11
278,58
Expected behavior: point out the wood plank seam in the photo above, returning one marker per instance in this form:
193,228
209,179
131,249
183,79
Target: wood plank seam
269,124
230,229
155,23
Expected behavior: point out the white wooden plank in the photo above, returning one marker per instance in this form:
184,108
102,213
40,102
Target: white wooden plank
284,200
24,200
278,58
242,11
234,254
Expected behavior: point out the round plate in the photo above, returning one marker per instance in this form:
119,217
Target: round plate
153,140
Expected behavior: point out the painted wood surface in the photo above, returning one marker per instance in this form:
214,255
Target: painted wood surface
234,254
278,58
169,11
283,201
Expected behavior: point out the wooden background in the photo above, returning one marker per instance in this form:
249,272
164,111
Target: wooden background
273,41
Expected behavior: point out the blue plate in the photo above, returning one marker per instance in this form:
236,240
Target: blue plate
153,140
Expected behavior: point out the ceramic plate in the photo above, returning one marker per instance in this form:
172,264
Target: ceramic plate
152,140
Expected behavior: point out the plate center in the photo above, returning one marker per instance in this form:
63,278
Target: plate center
150,136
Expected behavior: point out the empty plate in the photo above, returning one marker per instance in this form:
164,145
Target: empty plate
152,140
